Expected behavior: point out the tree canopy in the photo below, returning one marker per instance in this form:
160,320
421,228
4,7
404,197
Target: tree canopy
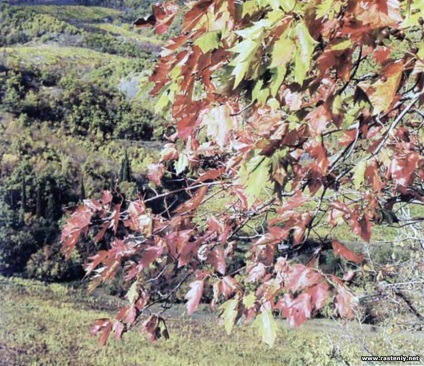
304,116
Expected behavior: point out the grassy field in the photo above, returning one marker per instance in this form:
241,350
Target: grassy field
44,324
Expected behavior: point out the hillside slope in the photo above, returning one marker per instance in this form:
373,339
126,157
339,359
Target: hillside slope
69,117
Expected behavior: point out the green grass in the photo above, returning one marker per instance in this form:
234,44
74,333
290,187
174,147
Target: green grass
49,324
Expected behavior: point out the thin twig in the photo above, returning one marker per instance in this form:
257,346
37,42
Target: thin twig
393,125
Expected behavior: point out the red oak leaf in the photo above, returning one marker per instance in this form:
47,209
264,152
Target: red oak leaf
318,119
296,311
402,169
299,277
75,226
365,227
342,251
255,272
193,203
217,259
345,302
118,329
319,294
104,326
150,326
96,260
162,17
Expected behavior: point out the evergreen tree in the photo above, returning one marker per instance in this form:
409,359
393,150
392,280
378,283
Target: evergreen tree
82,190
39,201
51,212
125,175
23,193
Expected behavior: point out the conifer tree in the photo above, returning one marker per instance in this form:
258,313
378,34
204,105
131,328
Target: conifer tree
82,189
125,175
23,193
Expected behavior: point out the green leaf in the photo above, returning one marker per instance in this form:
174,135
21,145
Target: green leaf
273,103
277,79
254,176
249,300
208,41
274,4
267,327
414,12
239,72
256,31
132,293
175,73
305,45
250,7
162,102
275,16
359,173
246,50
181,164
337,107
342,45
259,94
324,8
230,314
282,50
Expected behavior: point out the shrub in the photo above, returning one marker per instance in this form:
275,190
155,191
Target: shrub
48,264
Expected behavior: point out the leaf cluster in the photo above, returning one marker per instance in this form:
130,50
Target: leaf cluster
304,138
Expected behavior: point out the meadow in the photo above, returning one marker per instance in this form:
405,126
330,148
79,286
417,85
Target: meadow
48,324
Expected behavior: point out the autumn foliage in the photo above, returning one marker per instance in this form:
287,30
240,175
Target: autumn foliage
306,115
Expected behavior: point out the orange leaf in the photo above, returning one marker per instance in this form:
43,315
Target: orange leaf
193,203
